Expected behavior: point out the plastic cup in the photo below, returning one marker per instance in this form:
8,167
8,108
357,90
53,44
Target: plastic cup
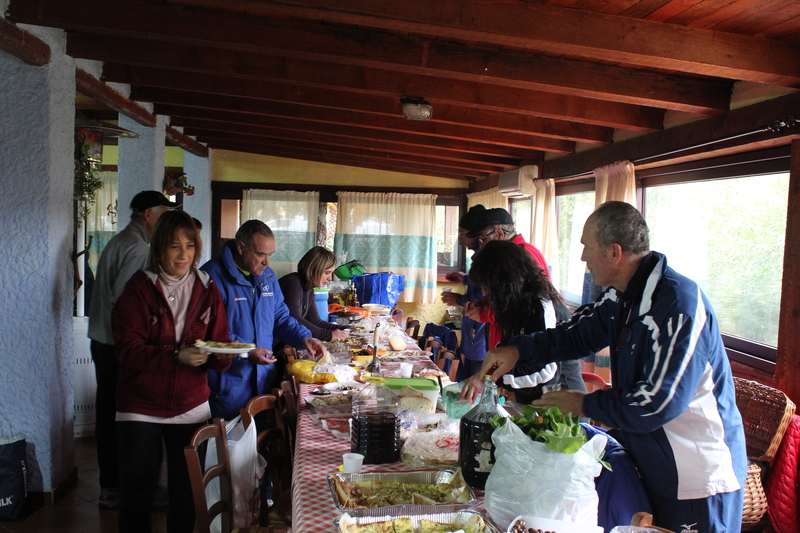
352,462
447,289
406,370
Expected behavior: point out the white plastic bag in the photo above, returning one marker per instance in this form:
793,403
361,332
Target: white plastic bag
528,479
234,429
247,469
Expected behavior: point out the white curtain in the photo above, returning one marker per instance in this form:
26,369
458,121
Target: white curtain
103,222
489,199
391,232
544,223
615,182
292,217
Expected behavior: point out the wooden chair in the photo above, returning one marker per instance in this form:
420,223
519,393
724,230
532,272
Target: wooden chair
287,407
273,445
204,514
412,328
448,355
431,343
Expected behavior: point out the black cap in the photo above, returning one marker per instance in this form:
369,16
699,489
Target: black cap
492,217
471,220
147,199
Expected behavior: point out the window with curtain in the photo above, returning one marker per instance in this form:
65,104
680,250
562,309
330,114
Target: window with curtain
573,210
292,216
391,232
520,209
103,223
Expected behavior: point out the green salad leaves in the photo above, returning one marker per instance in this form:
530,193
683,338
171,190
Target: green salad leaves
560,433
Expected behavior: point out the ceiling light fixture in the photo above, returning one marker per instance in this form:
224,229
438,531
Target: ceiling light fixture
416,108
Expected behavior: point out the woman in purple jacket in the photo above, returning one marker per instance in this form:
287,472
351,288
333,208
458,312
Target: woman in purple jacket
315,269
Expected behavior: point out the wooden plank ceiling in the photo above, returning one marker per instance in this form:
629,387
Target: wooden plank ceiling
509,80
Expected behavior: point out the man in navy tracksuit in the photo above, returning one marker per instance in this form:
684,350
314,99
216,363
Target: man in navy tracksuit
672,397
256,314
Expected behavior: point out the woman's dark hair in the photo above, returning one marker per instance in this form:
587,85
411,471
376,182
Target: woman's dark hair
313,264
514,286
167,226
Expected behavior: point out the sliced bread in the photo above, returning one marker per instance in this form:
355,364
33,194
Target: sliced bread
417,404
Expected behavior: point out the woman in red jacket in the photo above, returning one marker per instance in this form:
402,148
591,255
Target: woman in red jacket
163,391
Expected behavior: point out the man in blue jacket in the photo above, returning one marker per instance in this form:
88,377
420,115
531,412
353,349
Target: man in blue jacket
672,398
256,314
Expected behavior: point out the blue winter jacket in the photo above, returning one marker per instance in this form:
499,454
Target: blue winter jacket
256,313
672,395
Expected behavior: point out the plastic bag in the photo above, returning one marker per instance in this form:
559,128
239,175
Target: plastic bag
528,479
234,429
13,479
304,371
452,403
247,469
379,288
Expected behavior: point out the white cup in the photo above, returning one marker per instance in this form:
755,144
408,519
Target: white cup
352,462
447,289
406,370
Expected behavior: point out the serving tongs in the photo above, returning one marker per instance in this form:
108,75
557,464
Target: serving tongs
374,367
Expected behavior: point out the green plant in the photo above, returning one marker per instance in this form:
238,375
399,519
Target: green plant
86,182
175,182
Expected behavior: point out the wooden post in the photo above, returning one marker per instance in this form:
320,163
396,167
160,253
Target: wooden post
787,368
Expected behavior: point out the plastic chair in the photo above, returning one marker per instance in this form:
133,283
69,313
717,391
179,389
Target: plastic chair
595,381
441,361
204,514
273,445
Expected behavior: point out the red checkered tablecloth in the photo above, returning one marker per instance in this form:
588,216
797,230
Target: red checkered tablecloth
317,454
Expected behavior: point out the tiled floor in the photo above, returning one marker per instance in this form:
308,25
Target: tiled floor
78,512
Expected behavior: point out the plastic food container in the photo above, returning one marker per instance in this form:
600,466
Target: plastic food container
426,386
466,500
334,404
548,524
459,519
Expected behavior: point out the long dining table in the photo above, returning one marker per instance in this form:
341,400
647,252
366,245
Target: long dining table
319,453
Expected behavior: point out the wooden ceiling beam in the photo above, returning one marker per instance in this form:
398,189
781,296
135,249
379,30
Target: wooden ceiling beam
23,45
552,29
383,105
199,126
402,53
348,160
349,118
363,80
178,114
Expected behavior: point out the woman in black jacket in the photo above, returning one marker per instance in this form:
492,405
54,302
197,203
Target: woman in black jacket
315,269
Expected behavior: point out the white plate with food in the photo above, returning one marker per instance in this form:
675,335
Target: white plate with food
225,348
343,386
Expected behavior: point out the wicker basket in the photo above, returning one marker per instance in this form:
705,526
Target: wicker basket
755,501
766,413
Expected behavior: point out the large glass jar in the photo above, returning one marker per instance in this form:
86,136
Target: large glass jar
476,449
375,432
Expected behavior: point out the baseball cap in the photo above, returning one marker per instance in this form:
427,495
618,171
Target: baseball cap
491,217
471,220
147,199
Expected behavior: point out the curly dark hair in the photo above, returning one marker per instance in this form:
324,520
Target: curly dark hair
514,286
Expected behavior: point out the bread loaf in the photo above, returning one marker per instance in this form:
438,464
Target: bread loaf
405,390
417,404
397,344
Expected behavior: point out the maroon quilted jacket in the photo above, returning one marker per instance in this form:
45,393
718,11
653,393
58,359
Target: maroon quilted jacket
781,489
151,382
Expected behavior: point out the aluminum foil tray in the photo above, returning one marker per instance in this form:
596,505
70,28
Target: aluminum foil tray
466,500
455,517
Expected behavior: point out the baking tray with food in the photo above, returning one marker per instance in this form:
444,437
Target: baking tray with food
414,492
468,521
333,404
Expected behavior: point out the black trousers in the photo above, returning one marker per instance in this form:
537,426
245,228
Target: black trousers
106,370
140,445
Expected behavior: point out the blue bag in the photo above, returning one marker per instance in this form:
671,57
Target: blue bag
379,288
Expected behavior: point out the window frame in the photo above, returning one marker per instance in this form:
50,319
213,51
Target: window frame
461,261
755,163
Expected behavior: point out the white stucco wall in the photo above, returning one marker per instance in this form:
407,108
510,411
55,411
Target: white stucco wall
36,165
141,162
198,173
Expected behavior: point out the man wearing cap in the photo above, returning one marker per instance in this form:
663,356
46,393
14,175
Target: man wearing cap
124,254
473,333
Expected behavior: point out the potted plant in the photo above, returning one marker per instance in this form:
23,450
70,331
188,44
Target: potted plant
175,182
87,182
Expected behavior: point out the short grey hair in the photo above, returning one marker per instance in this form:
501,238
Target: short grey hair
250,229
623,224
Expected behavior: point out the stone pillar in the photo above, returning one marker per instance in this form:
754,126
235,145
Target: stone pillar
141,163
37,106
198,173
